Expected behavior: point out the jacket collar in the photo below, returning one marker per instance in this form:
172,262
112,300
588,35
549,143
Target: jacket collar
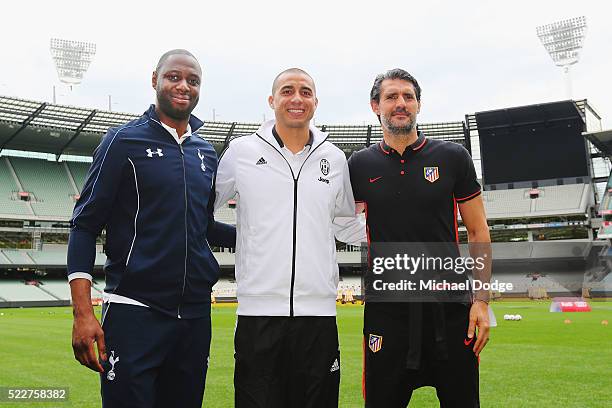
194,122
265,132
415,147
280,141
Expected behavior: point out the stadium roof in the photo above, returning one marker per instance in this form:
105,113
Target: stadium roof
602,140
546,108
44,127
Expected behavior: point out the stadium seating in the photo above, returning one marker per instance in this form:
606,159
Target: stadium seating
79,172
58,288
226,215
48,258
224,288
523,284
506,203
552,201
605,210
17,257
47,290
57,258
557,199
97,286
605,285
17,291
49,184
10,204
21,257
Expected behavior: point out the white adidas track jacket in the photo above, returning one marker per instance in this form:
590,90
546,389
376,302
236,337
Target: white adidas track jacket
285,247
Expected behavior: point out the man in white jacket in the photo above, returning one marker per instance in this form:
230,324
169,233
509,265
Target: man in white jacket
291,186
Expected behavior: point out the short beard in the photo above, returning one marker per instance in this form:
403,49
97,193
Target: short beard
166,107
397,130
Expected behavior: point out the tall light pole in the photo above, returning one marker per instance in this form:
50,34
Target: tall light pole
72,59
563,40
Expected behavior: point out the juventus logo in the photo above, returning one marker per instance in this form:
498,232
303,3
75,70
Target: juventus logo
150,152
201,156
324,165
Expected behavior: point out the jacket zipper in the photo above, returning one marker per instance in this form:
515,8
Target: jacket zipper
186,242
178,313
295,191
295,196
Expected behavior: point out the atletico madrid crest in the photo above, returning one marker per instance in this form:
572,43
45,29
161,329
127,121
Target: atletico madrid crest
375,342
431,174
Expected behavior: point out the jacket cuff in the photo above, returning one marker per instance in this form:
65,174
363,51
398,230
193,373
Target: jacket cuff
79,275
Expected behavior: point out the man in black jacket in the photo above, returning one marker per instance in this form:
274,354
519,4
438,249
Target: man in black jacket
151,186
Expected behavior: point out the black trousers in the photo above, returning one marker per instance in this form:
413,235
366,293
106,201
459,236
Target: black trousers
388,383
154,360
288,362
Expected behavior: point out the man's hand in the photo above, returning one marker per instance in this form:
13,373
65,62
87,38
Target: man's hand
479,317
85,331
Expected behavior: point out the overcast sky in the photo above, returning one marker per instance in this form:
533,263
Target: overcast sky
468,56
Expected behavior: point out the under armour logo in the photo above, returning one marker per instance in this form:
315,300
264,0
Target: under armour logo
112,360
201,156
261,161
150,152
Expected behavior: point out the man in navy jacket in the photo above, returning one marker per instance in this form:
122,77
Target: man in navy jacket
151,186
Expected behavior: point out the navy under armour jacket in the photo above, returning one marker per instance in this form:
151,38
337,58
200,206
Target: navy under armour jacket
155,198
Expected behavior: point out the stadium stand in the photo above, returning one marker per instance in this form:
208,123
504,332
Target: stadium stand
44,259
549,284
4,260
608,280
48,290
38,195
506,203
60,129
15,291
17,257
48,258
605,210
560,200
78,170
225,288
226,215
57,288
48,183
10,203
98,285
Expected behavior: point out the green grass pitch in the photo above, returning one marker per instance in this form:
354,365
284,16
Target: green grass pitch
537,362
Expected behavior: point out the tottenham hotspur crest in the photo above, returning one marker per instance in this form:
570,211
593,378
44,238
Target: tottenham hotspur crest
201,156
112,360
324,167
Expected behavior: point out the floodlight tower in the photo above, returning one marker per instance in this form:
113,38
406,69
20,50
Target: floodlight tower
563,40
72,59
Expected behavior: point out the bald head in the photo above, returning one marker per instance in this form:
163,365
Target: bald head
291,71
